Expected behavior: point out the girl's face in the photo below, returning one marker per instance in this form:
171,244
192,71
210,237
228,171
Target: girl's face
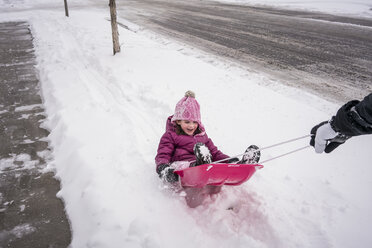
189,127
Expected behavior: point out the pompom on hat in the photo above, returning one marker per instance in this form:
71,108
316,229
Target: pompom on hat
187,109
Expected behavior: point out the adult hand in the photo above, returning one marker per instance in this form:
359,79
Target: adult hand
325,138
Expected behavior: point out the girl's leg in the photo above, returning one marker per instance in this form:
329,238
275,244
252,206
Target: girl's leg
211,190
195,196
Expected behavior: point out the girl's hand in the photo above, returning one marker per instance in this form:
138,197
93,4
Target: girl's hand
167,173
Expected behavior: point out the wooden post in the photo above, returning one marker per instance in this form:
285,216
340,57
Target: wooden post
66,8
114,27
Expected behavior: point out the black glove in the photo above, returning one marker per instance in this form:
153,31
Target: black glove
167,173
325,138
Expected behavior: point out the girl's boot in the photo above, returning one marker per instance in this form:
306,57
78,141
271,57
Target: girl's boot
202,154
251,156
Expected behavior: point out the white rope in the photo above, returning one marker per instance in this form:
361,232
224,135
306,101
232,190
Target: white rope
267,147
282,155
285,142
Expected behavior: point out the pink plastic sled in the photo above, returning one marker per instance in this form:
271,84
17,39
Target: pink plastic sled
217,174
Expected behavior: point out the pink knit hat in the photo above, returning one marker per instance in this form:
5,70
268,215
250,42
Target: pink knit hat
187,109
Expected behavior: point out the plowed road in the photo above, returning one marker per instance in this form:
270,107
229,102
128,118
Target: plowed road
327,55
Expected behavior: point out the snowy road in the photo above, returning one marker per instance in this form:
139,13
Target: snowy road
326,54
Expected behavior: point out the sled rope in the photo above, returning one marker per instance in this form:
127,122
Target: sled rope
274,145
282,155
284,142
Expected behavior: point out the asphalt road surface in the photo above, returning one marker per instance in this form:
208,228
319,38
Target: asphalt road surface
328,55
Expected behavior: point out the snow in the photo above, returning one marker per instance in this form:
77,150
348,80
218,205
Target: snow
107,113
180,165
204,152
21,161
18,232
27,108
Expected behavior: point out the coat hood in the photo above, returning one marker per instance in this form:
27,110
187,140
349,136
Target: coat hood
171,126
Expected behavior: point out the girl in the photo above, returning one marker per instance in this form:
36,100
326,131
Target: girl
185,143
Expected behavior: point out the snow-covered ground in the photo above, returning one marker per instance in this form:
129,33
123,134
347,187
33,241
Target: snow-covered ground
107,113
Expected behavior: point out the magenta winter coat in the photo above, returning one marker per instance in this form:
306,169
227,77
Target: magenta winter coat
174,147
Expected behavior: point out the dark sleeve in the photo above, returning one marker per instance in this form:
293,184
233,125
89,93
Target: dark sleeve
165,149
354,118
216,154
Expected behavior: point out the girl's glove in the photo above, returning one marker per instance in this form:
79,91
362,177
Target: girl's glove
167,173
325,138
